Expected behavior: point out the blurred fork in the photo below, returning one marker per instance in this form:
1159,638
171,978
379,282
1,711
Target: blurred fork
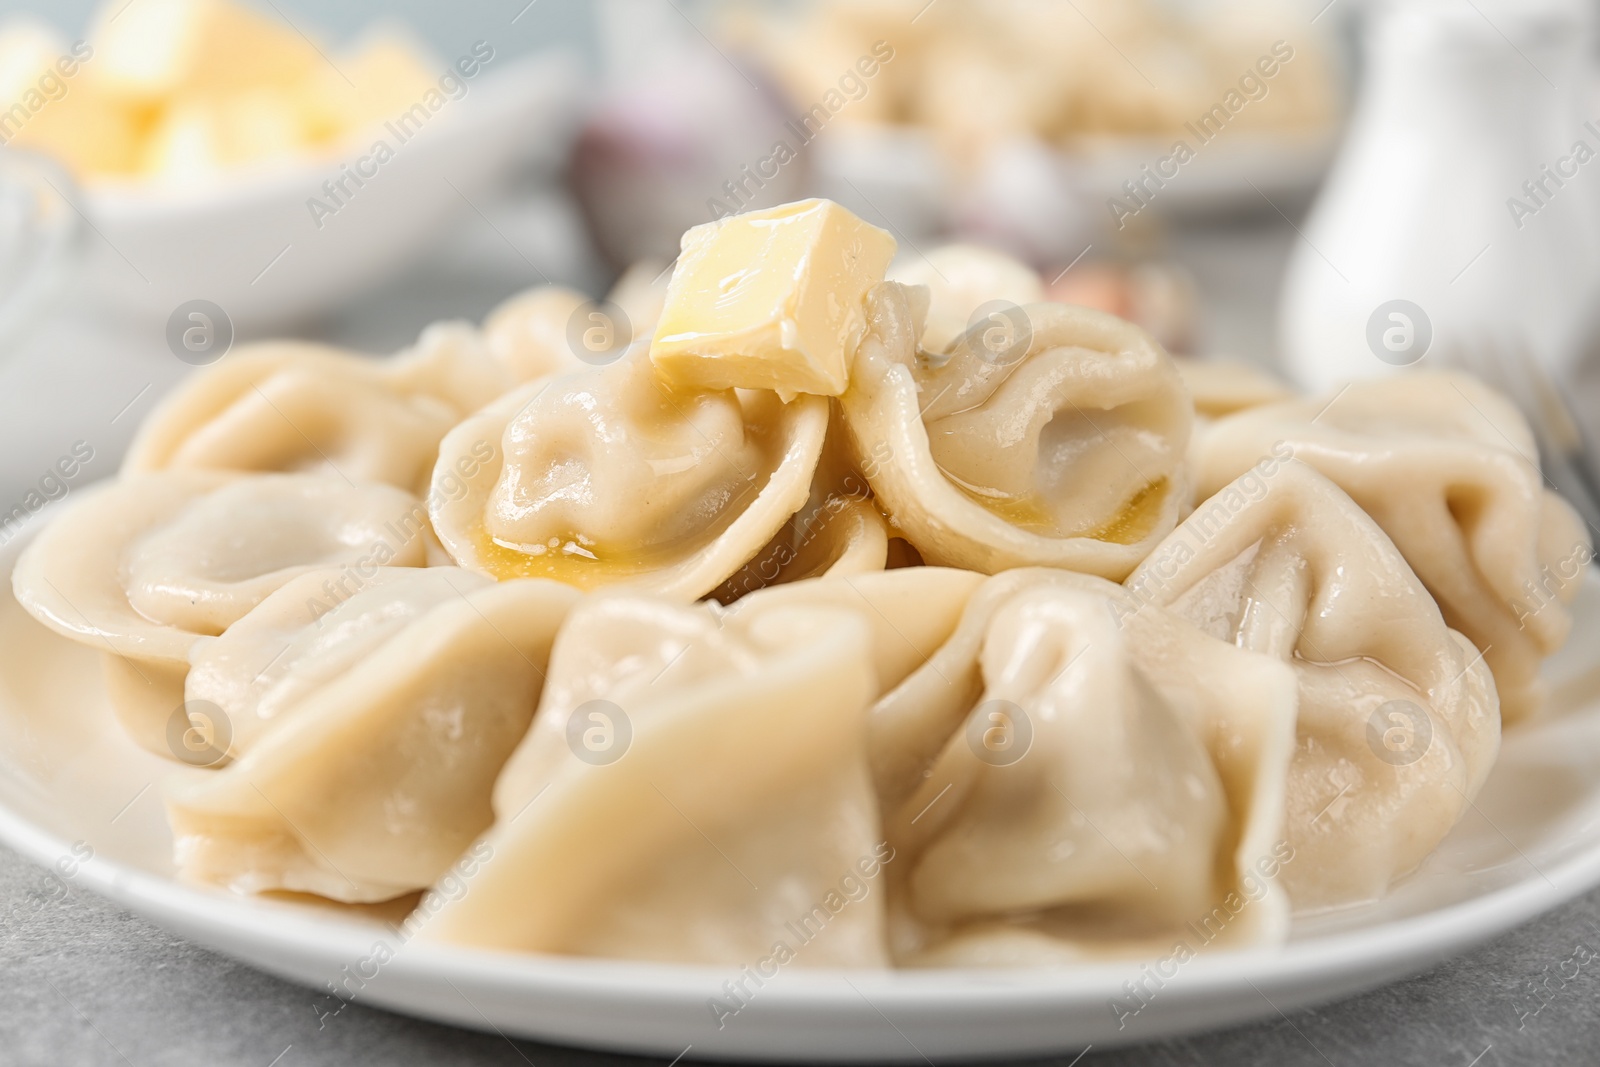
1567,455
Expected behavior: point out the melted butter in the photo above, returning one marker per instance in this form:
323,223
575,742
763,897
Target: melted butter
589,568
1024,512
587,565
1137,518
1032,513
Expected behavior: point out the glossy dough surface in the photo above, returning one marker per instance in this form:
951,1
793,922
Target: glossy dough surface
1067,449
606,476
741,803
287,406
961,279
528,333
370,782
308,633
148,567
1399,722
1072,776
1450,471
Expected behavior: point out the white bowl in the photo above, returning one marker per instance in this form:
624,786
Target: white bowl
252,244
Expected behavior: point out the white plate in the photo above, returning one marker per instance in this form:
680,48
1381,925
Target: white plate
898,173
69,779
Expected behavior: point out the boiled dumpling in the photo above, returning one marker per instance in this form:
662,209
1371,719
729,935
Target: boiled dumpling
368,782
289,406
702,676
694,789
910,611
1071,777
451,362
607,476
528,333
641,292
1399,723
961,279
838,531
1065,449
145,567
551,329
1222,386
302,637
831,536
1450,471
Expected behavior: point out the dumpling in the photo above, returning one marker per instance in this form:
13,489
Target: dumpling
1065,449
289,406
694,789
606,476
302,637
551,329
370,782
1072,777
527,334
1449,469
962,278
910,612
1223,386
145,567
451,362
832,535
838,531
1399,722
641,292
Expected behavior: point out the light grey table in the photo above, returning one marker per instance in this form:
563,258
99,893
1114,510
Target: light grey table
82,983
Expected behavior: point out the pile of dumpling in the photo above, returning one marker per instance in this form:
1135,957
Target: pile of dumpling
834,619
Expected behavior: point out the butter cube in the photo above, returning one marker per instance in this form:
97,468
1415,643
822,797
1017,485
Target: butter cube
91,136
48,107
153,49
770,299
199,136
391,73
387,73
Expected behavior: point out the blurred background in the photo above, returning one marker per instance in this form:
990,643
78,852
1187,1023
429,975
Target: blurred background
1323,188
